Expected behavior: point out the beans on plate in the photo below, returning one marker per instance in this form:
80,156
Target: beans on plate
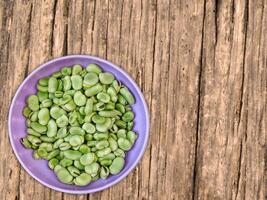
81,121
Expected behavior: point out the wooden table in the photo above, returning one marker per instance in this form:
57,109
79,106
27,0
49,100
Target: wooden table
202,66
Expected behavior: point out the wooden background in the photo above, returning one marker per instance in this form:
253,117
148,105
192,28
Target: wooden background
202,66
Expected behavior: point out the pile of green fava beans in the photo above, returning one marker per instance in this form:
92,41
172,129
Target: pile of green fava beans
81,121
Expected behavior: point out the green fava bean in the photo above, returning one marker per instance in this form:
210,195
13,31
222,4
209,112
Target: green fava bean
43,81
88,107
120,153
42,152
93,90
38,127
88,137
121,124
83,179
57,143
64,175
43,116
104,127
98,119
46,146
79,98
112,144
90,79
92,168
76,131
105,162
131,136
45,138
78,165
62,121
70,106
84,149
117,165
76,82
64,146
87,159
109,113
109,156
26,112
100,136
53,163
74,171
34,116
104,97
72,154
102,144
51,128
128,116
106,78
56,75
66,82
130,125
57,168
104,172
33,102
65,162
127,95
42,96
103,152
121,133
53,154
46,103
93,68
58,94
42,88
89,128
124,144
76,140
56,112
35,155
76,69
25,142
52,84
33,132
66,71
62,132
110,106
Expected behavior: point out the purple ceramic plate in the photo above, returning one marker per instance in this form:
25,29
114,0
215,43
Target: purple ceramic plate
38,169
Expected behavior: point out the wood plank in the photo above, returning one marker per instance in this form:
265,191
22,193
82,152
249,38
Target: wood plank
229,154
40,48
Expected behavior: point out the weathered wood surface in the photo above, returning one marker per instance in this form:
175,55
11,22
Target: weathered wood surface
202,66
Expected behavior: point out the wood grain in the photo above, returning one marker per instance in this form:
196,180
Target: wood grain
202,66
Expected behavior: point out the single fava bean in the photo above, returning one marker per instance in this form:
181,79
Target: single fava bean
76,140
84,149
51,128
93,168
87,159
76,82
76,131
102,144
62,121
79,98
56,112
93,90
89,128
76,69
117,165
52,84
104,97
65,162
124,144
78,165
64,175
72,154
128,116
74,171
90,79
104,172
33,102
83,179
93,68
131,136
53,163
127,95
103,152
106,78
38,127
43,116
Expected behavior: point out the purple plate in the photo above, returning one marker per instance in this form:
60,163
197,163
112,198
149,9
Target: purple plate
38,169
